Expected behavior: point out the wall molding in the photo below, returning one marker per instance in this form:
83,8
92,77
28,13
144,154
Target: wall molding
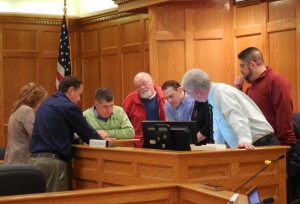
56,20
101,18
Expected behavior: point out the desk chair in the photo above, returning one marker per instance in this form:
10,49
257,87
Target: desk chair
296,124
2,152
295,162
21,179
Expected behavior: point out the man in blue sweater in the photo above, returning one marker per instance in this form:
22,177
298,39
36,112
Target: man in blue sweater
56,121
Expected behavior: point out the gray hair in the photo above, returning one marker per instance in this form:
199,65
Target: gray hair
195,78
104,93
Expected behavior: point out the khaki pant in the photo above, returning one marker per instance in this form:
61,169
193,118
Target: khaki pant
55,171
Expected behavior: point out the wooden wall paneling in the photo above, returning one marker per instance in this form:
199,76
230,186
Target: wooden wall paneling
48,49
282,10
17,72
189,39
248,15
76,54
248,31
283,56
131,64
248,27
210,57
111,75
208,41
167,42
135,56
133,37
145,47
111,72
129,32
3,137
90,64
19,62
297,102
22,39
91,80
282,42
90,39
109,36
190,35
125,41
75,39
228,46
171,61
134,50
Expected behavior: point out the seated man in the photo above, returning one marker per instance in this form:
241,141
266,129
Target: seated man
145,103
178,105
109,120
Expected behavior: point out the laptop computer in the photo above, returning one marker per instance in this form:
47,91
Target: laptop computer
253,196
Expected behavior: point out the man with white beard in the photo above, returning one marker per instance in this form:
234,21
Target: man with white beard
145,103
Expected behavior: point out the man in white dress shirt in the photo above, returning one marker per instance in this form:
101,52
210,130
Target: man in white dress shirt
236,118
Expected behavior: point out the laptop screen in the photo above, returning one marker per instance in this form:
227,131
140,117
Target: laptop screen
253,196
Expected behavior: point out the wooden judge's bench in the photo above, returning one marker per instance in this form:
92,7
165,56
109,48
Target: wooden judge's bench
121,166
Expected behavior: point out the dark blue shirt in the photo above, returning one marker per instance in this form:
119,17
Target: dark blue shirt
151,107
56,121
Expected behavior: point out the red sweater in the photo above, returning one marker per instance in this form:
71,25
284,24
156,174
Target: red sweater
136,112
272,94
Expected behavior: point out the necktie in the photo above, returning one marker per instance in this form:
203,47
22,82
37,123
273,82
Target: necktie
211,130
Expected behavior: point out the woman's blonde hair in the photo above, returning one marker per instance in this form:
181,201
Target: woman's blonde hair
31,94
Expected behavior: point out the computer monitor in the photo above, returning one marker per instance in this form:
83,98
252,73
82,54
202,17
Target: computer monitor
169,135
253,196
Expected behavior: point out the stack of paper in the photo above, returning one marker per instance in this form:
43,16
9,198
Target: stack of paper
208,147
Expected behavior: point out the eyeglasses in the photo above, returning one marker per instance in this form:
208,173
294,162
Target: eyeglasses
144,83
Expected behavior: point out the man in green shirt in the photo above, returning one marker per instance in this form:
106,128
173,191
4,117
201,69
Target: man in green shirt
109,120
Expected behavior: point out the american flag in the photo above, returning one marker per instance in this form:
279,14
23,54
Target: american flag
64,61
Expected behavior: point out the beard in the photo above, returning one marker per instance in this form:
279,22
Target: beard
146,94
249,75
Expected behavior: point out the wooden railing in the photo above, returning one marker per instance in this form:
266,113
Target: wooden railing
150,193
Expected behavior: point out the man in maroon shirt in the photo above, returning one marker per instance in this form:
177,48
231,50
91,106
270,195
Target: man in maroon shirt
271,92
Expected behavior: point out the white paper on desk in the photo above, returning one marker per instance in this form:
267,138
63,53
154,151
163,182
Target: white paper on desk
98,143
208,147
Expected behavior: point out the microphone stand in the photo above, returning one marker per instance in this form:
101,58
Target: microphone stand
251,178
267,164
234,198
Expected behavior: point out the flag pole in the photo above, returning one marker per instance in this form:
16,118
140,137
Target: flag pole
67,22
64,67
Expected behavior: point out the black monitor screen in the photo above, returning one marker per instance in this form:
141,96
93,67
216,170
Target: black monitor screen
169,135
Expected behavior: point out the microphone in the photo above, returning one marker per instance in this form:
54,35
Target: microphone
267,162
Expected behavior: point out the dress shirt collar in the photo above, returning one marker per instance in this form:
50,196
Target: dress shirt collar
100,117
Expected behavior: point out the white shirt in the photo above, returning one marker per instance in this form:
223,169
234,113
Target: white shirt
236,118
